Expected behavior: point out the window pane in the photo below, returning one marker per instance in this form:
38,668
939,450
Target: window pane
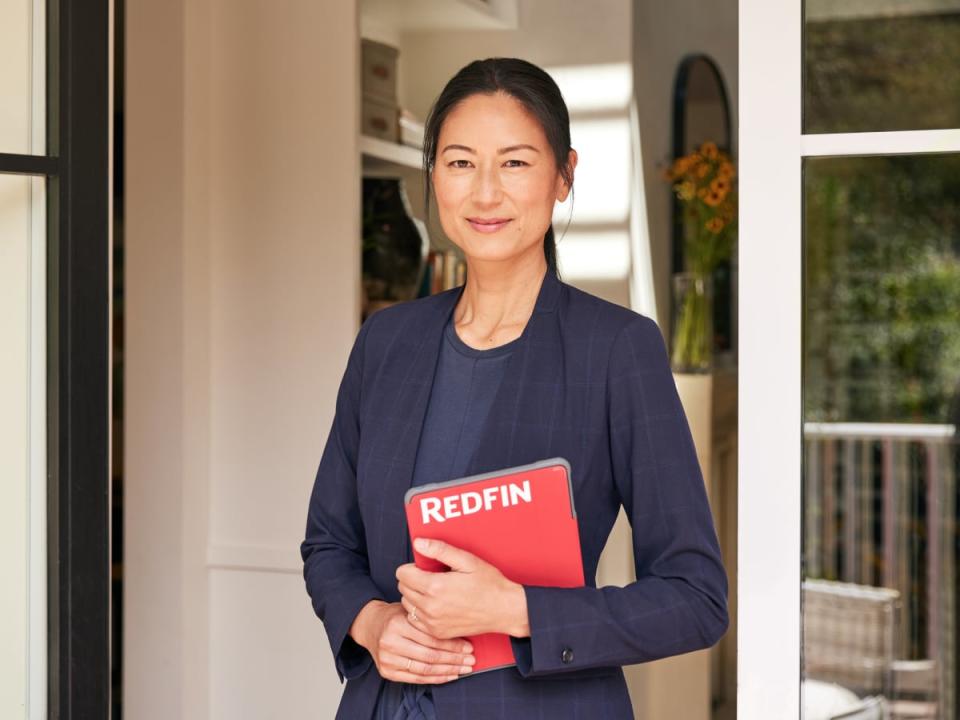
881,65
881,411
23,618
22,82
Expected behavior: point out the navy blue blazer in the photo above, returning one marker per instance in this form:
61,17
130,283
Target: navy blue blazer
589,381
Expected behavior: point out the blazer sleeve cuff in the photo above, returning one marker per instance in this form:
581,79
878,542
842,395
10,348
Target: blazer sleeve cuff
350,658
551,648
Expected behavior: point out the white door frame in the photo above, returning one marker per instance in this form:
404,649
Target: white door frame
772,149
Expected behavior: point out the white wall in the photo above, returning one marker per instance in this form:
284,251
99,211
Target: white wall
285,307
154,413
243,212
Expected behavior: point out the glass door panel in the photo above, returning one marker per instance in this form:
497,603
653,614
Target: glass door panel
22,81
881,65
881,413
23,618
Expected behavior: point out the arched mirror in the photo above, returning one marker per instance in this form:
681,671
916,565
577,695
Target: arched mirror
701,112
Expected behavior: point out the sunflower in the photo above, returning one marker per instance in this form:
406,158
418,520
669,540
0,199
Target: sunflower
715,224
688,162
720,185
713,198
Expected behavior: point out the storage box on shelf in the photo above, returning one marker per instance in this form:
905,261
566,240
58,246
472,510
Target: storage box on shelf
379,111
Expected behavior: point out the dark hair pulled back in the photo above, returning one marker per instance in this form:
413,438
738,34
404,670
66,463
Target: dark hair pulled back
534,89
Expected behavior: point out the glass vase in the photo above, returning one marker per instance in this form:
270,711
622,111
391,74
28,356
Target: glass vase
692,331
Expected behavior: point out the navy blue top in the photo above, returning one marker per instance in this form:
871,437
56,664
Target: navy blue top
463,389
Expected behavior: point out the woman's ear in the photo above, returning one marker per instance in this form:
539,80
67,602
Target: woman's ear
563,189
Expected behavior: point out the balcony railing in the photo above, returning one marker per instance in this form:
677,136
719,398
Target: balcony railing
881,511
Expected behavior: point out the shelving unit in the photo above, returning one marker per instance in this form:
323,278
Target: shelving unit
381,155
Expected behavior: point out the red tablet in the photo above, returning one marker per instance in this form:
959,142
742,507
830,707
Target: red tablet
520,519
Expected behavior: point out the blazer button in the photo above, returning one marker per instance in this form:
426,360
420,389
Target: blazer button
567,655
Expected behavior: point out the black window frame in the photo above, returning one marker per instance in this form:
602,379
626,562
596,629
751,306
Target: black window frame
77,171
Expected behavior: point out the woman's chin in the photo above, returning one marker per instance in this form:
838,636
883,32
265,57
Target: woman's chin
492,258
491,252
487,251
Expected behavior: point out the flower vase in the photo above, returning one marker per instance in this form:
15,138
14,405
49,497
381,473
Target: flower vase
692,332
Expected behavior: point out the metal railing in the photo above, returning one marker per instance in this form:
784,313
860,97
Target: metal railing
880,509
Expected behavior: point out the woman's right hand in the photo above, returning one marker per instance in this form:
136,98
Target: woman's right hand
394,644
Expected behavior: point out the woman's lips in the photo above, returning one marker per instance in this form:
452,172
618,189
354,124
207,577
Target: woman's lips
487,226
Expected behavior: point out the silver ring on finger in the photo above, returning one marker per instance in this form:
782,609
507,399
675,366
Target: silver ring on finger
409,663
413,614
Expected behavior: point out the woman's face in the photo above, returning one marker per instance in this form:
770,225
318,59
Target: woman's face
493,163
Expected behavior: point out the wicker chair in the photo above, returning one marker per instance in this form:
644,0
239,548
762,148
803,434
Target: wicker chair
850,636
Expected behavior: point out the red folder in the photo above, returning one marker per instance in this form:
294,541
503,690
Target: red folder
520,519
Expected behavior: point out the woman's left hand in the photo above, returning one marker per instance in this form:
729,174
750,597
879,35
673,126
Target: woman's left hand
473,597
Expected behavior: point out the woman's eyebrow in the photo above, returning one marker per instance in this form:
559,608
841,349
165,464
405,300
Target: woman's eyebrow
501,151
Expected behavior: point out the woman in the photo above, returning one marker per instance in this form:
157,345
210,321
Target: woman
512,367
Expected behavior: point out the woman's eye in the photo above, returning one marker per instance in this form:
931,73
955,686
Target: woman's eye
456,163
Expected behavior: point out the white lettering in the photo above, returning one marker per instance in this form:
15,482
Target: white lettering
489,494
467,497
516,492
450,506
430,506
470,502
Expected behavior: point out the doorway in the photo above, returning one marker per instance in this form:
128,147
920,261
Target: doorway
850,324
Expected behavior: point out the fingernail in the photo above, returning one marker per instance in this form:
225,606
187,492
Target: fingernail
467,647
470,659
466,668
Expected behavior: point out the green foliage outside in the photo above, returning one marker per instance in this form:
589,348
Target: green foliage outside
882,323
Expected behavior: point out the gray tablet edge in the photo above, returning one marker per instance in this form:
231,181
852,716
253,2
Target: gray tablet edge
548,462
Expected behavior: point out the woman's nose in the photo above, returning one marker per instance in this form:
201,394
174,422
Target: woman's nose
487,188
